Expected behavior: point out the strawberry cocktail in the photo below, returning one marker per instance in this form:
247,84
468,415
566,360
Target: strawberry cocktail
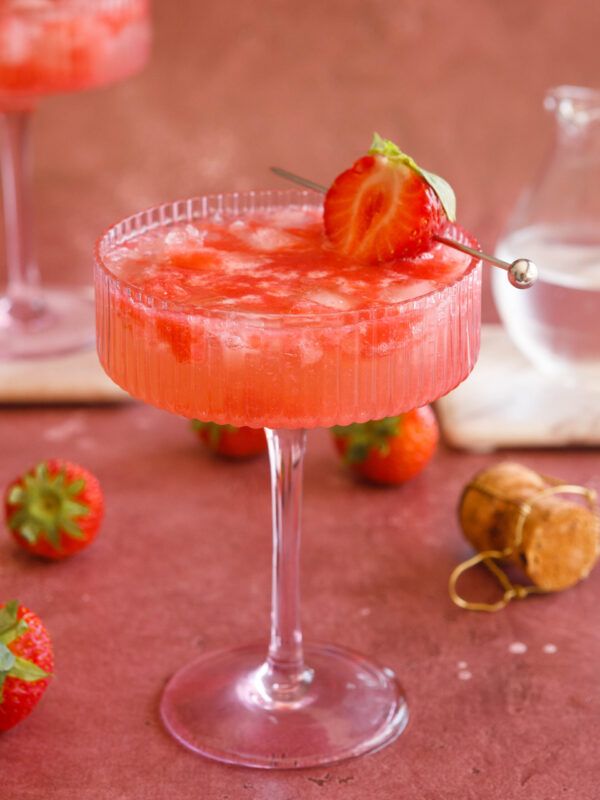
48,47
243,317
51,46
246,309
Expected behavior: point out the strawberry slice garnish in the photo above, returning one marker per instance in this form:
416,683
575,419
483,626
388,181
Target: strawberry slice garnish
386,206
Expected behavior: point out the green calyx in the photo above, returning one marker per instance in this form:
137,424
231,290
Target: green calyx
443,190
12,666
213,430
363,437
10,626
46,506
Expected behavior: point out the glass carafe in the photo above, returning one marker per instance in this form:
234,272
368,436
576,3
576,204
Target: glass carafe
557,224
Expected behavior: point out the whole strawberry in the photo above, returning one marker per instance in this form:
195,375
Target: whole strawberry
391,450
229,441
386,206
55,509
26,663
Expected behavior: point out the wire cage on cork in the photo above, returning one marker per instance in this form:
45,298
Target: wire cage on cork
513,515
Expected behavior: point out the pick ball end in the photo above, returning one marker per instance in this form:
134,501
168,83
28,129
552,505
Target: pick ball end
523,273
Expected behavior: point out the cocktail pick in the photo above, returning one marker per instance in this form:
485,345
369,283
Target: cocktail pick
522,273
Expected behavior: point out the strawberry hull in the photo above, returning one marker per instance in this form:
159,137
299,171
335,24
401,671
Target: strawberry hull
55,509
19,697
353,343
231,442
390,451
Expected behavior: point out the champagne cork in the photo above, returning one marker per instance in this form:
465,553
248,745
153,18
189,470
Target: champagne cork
534,521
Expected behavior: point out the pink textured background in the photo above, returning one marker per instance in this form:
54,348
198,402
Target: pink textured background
179,568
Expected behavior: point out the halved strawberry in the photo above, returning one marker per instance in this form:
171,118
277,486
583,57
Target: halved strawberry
177,335
385,206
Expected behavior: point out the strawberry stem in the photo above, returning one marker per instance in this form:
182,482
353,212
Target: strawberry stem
12,666
45,506
445,193
214,430
364,437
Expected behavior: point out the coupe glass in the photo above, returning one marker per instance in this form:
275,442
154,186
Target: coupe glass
47,47
284,704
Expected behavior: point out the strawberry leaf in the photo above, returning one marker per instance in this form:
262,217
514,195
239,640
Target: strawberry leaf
76,487
12,666
29,531
47,506
8,616
72,529
357,451
14,633
27,671
72,509
363,437
15,495
11,628
443,190
213,429
7,660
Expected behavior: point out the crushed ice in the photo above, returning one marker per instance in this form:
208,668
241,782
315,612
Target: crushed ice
266,239
180,238
240,262
329,299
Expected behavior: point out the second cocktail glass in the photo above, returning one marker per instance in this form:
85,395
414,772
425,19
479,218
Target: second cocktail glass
286,704
48,47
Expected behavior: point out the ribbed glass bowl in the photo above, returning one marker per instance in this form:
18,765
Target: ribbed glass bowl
280,370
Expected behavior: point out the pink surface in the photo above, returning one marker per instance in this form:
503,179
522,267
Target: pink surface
181,567
182,564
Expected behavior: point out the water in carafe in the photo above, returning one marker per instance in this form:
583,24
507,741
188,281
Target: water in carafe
557,224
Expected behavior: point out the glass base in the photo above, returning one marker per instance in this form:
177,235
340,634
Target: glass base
62,321
217,706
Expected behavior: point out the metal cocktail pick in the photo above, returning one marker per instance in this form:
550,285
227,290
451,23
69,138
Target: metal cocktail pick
522,273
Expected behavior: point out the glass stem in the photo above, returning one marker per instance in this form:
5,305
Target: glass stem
286,676
22,297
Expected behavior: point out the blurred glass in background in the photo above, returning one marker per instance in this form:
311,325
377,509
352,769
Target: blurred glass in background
49,47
